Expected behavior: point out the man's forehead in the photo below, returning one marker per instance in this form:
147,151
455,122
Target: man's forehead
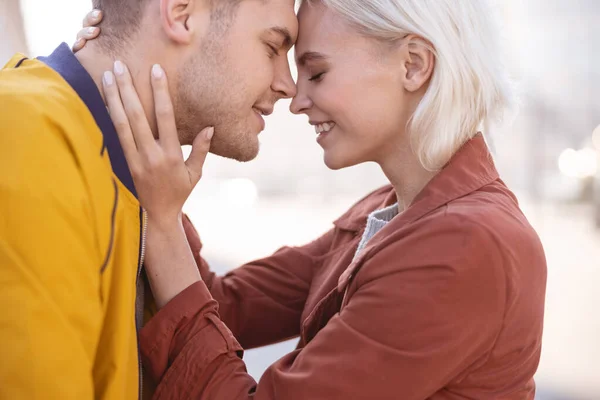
280,17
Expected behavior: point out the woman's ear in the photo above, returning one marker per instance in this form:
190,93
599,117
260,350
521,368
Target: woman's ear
419,62
176,18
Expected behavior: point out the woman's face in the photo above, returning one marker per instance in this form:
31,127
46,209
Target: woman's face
351,88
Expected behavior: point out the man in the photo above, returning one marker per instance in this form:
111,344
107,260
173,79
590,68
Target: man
72,230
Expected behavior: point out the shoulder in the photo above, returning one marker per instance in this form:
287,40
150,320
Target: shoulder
493,219
483,237
42,119
59,182
43,139
34,93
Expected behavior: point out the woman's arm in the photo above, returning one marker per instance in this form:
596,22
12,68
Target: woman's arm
415,324
262,301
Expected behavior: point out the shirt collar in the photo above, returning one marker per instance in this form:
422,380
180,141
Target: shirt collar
63,61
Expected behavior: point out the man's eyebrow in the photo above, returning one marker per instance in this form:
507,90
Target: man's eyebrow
310,56
287,37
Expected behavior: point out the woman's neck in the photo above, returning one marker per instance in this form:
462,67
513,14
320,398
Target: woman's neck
407,175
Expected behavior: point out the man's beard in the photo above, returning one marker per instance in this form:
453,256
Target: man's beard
208,94
232,138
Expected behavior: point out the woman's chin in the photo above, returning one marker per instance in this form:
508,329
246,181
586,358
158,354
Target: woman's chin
335,162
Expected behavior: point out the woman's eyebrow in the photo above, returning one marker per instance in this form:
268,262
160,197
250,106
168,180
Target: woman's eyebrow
310,56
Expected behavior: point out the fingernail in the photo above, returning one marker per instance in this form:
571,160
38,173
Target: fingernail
209,133
119,68
157,71
96,14
91,30
108,78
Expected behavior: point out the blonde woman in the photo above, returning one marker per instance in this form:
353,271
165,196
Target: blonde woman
430,288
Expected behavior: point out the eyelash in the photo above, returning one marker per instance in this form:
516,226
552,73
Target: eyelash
274,51
317,77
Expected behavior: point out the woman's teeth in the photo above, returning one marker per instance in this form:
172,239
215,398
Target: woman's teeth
324,127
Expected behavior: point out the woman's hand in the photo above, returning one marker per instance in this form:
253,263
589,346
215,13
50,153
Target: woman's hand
162,179
90,29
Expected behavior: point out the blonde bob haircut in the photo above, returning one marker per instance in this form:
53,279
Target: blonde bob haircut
469,88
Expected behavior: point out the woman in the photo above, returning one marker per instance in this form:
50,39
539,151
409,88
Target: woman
430,288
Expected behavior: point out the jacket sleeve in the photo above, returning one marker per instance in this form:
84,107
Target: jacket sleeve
412,325
262,302
49,265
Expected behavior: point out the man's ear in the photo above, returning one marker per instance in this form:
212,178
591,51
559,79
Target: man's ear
176,18
419,62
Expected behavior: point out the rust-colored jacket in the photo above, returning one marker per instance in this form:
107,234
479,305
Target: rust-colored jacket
446,302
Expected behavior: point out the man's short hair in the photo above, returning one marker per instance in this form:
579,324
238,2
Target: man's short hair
121,19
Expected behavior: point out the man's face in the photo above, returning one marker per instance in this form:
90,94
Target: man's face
236,76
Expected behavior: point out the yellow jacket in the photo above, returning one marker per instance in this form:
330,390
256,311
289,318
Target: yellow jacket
71,244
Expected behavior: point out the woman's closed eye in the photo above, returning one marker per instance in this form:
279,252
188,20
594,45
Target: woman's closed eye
317,77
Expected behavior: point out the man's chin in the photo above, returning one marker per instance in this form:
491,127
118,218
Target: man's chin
236,151
235,156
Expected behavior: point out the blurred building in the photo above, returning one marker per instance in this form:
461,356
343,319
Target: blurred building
554,54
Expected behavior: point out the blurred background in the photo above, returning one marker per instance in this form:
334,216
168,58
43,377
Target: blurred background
549,155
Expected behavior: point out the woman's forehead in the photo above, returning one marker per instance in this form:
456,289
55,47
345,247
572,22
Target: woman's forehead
317,23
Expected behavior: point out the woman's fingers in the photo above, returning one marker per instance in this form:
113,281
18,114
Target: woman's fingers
200,148
143,152
88,33
167,128
134,111
163,107
90,30
162,179
119,118
83,36
78,45
92,18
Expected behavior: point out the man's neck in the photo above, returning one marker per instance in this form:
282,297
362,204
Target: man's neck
97,62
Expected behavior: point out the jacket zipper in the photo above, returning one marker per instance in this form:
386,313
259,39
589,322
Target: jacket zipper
139,319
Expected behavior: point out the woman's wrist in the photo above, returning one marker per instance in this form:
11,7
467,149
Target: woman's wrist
165,223
169,263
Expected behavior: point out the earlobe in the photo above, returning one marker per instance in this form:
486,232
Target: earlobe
175,17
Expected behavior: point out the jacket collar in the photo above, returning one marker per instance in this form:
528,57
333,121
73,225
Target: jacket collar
63,61
471,168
